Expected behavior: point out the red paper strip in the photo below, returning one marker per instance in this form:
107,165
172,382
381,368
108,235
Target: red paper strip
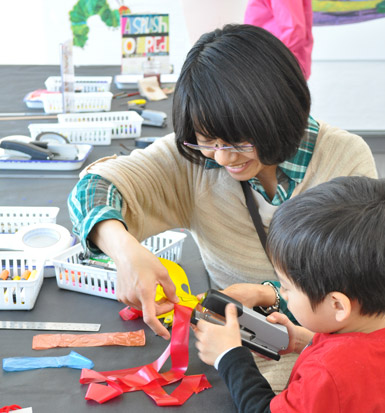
130,338
147,378
129,313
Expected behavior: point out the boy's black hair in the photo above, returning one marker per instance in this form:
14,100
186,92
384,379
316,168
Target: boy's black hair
241,84
332,238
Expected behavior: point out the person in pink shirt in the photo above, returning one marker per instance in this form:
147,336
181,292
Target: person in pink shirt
290,21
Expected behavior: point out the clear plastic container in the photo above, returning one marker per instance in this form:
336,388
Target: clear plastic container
151,67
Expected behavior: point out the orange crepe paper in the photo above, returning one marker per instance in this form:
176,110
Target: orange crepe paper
131,338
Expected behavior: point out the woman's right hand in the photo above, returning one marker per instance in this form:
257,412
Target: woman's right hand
138,273
251,295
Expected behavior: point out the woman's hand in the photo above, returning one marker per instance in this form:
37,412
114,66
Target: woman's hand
299,337
251,295
138,273
213,339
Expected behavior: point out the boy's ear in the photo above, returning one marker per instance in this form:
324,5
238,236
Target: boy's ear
341,305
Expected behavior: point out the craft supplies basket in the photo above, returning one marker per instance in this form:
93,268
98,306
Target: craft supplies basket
20,294
12,218
76,132
126,124
82,83
72,275
83,102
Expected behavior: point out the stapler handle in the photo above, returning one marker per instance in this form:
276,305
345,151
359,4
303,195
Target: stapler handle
34,151
216,301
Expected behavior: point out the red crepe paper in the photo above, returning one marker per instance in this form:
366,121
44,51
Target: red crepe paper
129,313
130,338
147,378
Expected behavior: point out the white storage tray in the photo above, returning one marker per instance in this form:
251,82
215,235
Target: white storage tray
13,218
130,81
76,132
126,124
82,83
22,294
48,165
71,275
83,102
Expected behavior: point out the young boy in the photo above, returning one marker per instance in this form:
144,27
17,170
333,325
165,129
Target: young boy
328,248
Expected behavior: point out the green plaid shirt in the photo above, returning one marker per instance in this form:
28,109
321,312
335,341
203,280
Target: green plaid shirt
289,173
94,199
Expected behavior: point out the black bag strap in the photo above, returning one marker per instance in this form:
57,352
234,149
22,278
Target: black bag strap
254,213
252,207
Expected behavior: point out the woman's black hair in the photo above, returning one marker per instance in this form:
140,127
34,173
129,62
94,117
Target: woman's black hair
332,238
241,84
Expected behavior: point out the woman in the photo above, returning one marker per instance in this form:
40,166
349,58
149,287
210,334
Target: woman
240,113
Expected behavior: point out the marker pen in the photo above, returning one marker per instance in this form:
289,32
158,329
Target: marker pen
26,274
4,275
32,275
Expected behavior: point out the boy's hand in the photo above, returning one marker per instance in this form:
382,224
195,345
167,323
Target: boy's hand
299,337
213,339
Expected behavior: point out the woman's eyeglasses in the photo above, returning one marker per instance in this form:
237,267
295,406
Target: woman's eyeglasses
240,148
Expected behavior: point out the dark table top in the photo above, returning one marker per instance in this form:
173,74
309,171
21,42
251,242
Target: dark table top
40,188
58,389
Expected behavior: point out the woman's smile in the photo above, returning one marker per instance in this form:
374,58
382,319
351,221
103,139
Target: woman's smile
238,168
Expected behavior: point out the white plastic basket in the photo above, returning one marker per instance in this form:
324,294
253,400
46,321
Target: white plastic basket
83,102
21,294
82,83
71,275
126,124
13,218
76,132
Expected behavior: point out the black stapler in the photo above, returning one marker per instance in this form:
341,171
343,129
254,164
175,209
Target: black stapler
257,333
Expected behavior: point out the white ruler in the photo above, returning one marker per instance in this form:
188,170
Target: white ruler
42,325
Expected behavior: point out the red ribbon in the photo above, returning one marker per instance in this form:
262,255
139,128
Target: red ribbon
10,408
147,378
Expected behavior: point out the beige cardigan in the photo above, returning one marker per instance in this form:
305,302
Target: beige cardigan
162,190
